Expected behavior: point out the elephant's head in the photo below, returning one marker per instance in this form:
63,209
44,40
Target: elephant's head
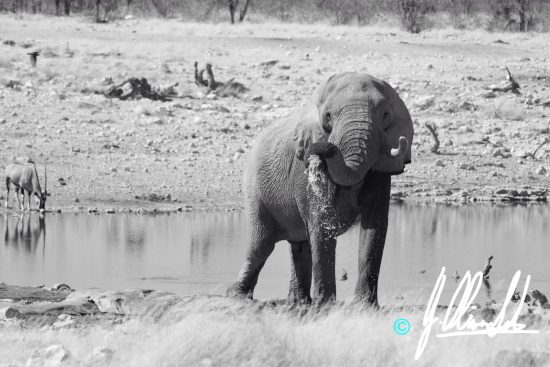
356,123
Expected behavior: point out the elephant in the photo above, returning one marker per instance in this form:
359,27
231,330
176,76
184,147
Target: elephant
351,123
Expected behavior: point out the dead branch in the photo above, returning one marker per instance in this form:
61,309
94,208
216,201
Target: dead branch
221,89
212,85
546,140
199,80
509,85
433,131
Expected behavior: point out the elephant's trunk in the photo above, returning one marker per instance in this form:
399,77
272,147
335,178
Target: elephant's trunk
358,141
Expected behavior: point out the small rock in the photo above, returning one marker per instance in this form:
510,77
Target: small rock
424,102
101,356
541,170
520,153
9,313
466,166
63,321
113,169
439,163
257,98
500,153
60,287
488,94
50,356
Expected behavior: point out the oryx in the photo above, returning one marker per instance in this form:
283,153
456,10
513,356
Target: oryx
24,176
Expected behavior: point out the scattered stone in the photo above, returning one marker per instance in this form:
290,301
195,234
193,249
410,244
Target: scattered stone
101,356
541,170
439,163
50,356
466,166
9,313
468,106
257,99
520,153
424,102
488,94
59,287
64,321
501,153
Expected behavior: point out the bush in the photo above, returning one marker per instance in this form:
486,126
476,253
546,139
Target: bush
413,14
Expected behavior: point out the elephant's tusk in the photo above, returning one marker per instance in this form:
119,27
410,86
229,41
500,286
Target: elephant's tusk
402,149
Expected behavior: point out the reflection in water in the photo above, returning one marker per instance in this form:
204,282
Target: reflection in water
25,231
202,252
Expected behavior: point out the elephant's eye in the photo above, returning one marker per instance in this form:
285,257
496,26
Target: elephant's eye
327,123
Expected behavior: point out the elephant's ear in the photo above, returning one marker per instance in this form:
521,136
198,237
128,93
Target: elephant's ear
308,129
400,125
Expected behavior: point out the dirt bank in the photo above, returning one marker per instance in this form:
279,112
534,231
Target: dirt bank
190,152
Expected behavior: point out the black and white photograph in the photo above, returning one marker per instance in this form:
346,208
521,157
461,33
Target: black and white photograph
295,183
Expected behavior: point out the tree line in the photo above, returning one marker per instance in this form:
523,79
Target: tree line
414,15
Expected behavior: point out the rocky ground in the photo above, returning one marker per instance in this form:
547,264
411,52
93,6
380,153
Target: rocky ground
190,152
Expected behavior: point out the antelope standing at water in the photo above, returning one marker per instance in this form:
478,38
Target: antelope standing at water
24,176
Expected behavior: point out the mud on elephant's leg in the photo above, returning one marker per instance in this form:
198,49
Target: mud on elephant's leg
300,277
261,245
375,201
323,249
322,231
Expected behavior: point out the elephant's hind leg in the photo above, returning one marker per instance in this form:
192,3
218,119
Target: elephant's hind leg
300,277
261,244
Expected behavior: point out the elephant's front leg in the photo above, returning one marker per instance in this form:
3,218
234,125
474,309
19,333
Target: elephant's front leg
322,231
323,251
375,201
300,277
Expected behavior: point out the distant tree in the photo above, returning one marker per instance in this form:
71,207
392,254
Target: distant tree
233,5
413,13
67,7
244,10
517,15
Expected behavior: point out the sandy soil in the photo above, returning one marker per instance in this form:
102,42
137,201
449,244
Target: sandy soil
190,153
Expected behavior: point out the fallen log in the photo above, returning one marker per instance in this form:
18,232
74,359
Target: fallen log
139,88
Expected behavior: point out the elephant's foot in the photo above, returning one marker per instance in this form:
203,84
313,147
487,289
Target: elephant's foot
238,290
296,297
324,302
367,301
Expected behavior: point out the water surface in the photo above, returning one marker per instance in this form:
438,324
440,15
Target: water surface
192,253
